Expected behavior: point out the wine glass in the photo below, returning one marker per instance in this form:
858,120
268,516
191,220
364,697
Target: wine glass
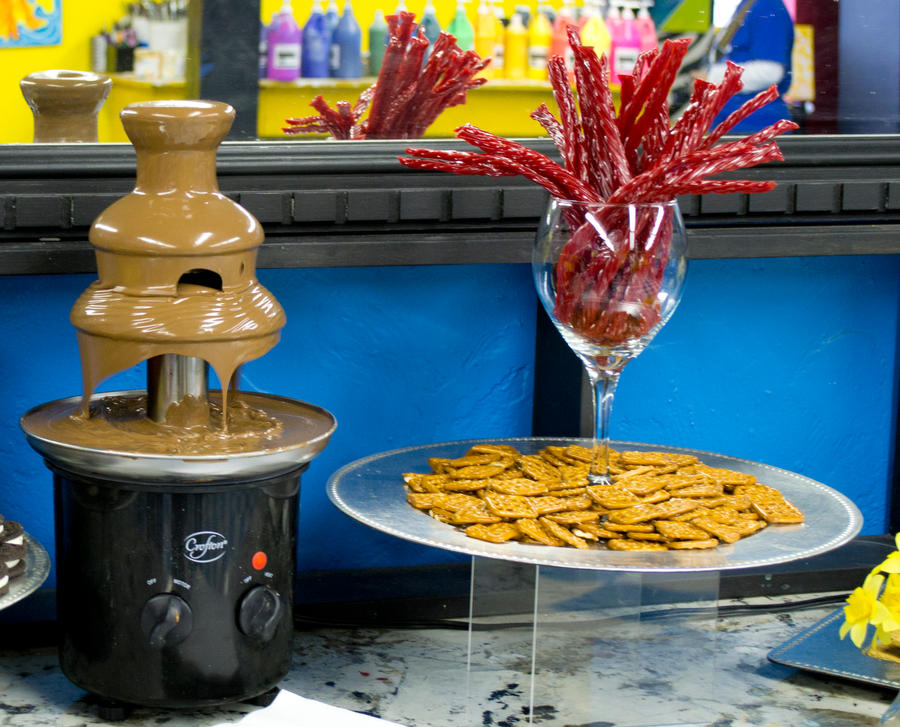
609,276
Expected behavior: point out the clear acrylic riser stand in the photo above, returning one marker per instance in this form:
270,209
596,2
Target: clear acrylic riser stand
591,647
578,638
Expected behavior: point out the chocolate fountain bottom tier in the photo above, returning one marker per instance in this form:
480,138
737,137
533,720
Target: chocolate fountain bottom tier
265,435
175,598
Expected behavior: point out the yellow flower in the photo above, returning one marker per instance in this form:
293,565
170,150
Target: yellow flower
890,597
862,606
891,564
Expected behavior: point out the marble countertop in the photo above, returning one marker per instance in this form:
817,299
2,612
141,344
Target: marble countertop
579,667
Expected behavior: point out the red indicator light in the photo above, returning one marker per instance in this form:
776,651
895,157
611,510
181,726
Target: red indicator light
259,560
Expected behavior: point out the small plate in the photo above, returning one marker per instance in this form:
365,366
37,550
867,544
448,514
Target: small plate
821,650
371,490
37,567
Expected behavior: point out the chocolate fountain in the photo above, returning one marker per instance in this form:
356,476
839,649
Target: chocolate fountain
65,104
176,507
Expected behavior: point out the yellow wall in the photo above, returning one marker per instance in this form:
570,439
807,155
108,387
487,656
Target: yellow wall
81,20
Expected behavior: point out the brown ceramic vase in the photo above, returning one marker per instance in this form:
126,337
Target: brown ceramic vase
65,104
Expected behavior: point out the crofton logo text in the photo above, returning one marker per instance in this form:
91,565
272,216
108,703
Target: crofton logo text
205,546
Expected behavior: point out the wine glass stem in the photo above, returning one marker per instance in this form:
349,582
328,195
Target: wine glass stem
603,388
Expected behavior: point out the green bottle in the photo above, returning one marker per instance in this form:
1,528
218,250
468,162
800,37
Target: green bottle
378,33
461,27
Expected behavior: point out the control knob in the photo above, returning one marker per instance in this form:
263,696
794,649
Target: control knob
166,620
259,613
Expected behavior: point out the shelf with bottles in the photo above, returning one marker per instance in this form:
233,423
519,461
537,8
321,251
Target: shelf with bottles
517,37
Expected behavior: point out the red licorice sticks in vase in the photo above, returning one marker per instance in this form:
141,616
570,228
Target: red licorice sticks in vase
635,155
408,95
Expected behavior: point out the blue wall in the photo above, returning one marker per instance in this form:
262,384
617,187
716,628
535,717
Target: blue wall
785,361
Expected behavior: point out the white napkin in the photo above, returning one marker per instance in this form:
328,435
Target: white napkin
290,710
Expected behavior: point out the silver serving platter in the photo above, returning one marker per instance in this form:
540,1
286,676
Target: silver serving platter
37,567
371,490
820,650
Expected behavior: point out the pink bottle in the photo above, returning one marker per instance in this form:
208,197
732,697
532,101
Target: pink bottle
646,29
284,46
559,41
625,45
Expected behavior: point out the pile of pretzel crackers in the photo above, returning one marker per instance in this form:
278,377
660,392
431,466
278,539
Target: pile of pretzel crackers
655,500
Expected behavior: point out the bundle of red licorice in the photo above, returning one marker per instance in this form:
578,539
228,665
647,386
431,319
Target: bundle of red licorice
407,96
635,156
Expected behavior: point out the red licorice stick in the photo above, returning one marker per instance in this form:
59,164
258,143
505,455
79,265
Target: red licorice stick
630,264
608,167
728,186
600,269
400,90
400,31
492,144
735,117
626,90
436,165
656,108
597,172
685,127
720,95
550,124
472,163
574,156
454,77
652,81
708,163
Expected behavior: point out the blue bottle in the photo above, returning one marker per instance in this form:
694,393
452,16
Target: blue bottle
346,46
314,45
332,17
431,25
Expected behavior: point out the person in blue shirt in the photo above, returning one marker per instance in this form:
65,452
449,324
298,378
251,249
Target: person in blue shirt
762,45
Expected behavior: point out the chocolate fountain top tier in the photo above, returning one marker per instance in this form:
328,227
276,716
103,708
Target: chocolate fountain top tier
176,199
65,104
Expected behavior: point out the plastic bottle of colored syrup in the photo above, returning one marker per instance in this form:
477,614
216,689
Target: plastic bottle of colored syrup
593,29
315,45
500,22
431,26
559,42
486,36
539,34
625,45
283,43
515,61
332,17
264,47
346,46
461,27
646,28
378,33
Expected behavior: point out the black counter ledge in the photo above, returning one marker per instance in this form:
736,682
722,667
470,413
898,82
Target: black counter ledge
334,204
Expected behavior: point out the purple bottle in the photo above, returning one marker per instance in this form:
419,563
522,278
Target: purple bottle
284,46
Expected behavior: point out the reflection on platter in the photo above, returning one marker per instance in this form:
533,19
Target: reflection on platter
820,650
371,491
37,567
